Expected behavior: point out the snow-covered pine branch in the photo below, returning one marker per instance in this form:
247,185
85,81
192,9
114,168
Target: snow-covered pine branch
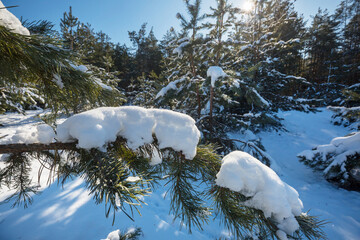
338,160
121,152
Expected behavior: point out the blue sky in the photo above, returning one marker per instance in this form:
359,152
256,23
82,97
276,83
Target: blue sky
117,17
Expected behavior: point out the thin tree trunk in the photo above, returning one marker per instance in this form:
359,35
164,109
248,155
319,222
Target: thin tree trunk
36,147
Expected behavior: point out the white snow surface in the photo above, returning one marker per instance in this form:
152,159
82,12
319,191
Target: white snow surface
95,128
243,173
215,72
8,20
42,133
70,213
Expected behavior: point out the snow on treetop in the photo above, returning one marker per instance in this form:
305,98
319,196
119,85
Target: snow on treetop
8,20
243,173
95,128
215,72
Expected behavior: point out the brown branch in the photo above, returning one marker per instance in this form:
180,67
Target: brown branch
36,147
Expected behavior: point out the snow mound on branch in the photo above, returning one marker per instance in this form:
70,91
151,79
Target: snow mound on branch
41,134
95,128
171,85
179,49
215,72
8,20
243,173
114,235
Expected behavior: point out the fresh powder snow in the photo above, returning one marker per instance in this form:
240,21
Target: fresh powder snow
243,173
95,128
8,20
42,133
215,72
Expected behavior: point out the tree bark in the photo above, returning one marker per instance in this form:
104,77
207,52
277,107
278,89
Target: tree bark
36,147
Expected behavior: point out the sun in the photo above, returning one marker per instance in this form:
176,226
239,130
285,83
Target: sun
248,6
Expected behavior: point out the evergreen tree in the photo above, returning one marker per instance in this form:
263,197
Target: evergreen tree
147,53
68,24
269,53
188,50
322,44
348,17
224,16
123,63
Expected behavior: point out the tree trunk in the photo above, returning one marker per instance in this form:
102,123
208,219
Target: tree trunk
36,147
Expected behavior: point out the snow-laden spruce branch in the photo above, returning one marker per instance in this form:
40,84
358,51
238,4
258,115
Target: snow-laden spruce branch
122,153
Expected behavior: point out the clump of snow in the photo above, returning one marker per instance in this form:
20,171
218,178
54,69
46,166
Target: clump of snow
243,173
102,85
179,49
81,68
156,157
263,101
171,85
281,235
58,81
95,128
132,179
114,235
41,134
215,72
8,20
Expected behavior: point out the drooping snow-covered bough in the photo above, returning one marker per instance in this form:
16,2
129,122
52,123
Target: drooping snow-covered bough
123,152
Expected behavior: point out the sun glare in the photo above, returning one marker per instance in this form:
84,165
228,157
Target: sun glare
248,5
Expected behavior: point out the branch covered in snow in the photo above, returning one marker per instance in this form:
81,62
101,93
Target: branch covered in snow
118,154
240,172
339,160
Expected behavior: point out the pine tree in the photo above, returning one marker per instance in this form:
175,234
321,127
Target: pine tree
270,50
147,53
322,47
68,24
189,48
348,16
224,17
38,71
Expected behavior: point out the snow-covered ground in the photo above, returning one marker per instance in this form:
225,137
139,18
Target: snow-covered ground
339,207
69,213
